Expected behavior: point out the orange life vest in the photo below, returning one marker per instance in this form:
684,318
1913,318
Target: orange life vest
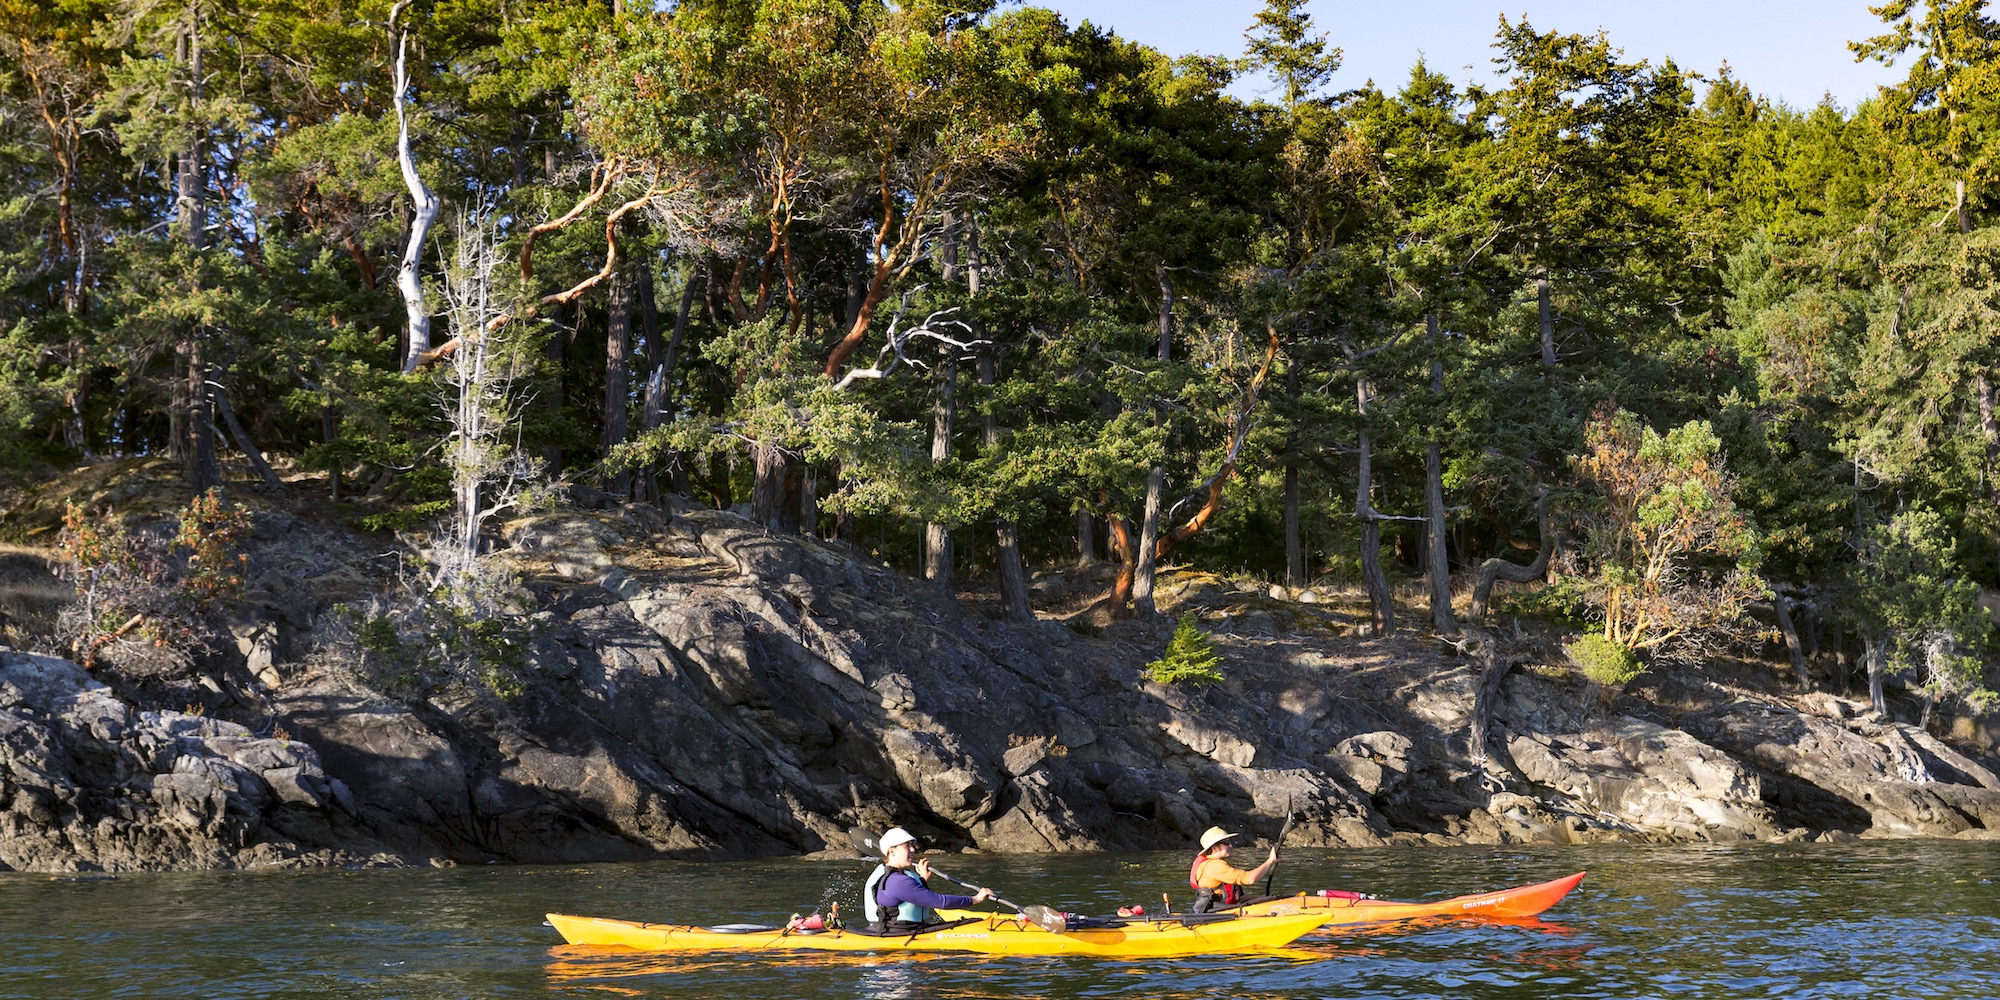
1206,899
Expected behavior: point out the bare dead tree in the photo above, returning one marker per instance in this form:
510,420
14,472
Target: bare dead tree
490,474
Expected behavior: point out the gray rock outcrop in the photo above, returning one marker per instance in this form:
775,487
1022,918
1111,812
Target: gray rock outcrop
697,686
89,783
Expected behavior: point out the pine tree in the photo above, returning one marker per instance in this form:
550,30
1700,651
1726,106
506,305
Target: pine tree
1190,657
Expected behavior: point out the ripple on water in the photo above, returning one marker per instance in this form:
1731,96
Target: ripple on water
1914,920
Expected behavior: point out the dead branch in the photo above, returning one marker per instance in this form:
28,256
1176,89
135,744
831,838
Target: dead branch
1513,572
935,327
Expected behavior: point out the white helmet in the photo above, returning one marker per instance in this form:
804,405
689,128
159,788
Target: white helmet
896,836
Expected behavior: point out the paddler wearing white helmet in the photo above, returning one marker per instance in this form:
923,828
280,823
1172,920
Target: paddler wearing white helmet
896,896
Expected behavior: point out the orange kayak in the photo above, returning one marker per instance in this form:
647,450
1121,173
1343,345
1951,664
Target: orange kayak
1522,901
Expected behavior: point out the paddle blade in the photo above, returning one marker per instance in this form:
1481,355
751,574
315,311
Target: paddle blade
1045,918
864,841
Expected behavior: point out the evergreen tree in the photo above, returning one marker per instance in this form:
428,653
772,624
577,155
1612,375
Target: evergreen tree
1189,659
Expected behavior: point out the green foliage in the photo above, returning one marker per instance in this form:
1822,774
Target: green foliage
1949,100
437,649
1921,371
1913,595
1190,658
986,215
1562,601
1575,121
1604,661
212,533
1283,44
1674,559
404,517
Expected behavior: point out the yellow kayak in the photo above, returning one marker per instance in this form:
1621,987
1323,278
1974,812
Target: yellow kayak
991,934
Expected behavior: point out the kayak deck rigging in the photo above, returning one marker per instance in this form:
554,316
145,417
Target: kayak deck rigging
992,934
1351,908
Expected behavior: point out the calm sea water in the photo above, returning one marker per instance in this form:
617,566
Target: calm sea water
1878,920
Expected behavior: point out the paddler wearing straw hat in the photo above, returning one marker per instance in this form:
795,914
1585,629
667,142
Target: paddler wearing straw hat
1214,880
896,896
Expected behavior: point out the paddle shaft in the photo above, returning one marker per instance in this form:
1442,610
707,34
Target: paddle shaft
1287,828
1016,908
871,844
1041,916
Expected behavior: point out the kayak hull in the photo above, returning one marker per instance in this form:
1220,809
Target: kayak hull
994,935
1520,901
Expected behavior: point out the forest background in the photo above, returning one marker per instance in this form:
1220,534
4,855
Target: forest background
979,291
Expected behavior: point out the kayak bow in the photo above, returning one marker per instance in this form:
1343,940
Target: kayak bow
994,935
1521,901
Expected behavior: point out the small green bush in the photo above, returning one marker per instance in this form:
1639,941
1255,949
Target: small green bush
404,518
1604,661
1190,657
421,650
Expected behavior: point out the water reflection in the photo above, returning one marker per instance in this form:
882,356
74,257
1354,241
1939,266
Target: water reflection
571,962
1403,927
1487,953
893,981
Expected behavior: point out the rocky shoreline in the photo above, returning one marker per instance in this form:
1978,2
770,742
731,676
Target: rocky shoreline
699,687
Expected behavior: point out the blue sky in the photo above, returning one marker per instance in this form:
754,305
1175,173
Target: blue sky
1789,50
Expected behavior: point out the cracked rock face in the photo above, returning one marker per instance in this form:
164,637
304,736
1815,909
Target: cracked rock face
1651,778
701,687
89,783
855,697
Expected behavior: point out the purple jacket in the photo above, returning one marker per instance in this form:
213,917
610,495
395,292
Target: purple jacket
902,887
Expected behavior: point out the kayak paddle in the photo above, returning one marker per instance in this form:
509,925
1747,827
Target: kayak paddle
1287,828
1051,920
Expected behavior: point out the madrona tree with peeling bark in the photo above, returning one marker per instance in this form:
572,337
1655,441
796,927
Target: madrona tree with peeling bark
1672,559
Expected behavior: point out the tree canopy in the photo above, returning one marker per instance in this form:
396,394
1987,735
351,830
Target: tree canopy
904,273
